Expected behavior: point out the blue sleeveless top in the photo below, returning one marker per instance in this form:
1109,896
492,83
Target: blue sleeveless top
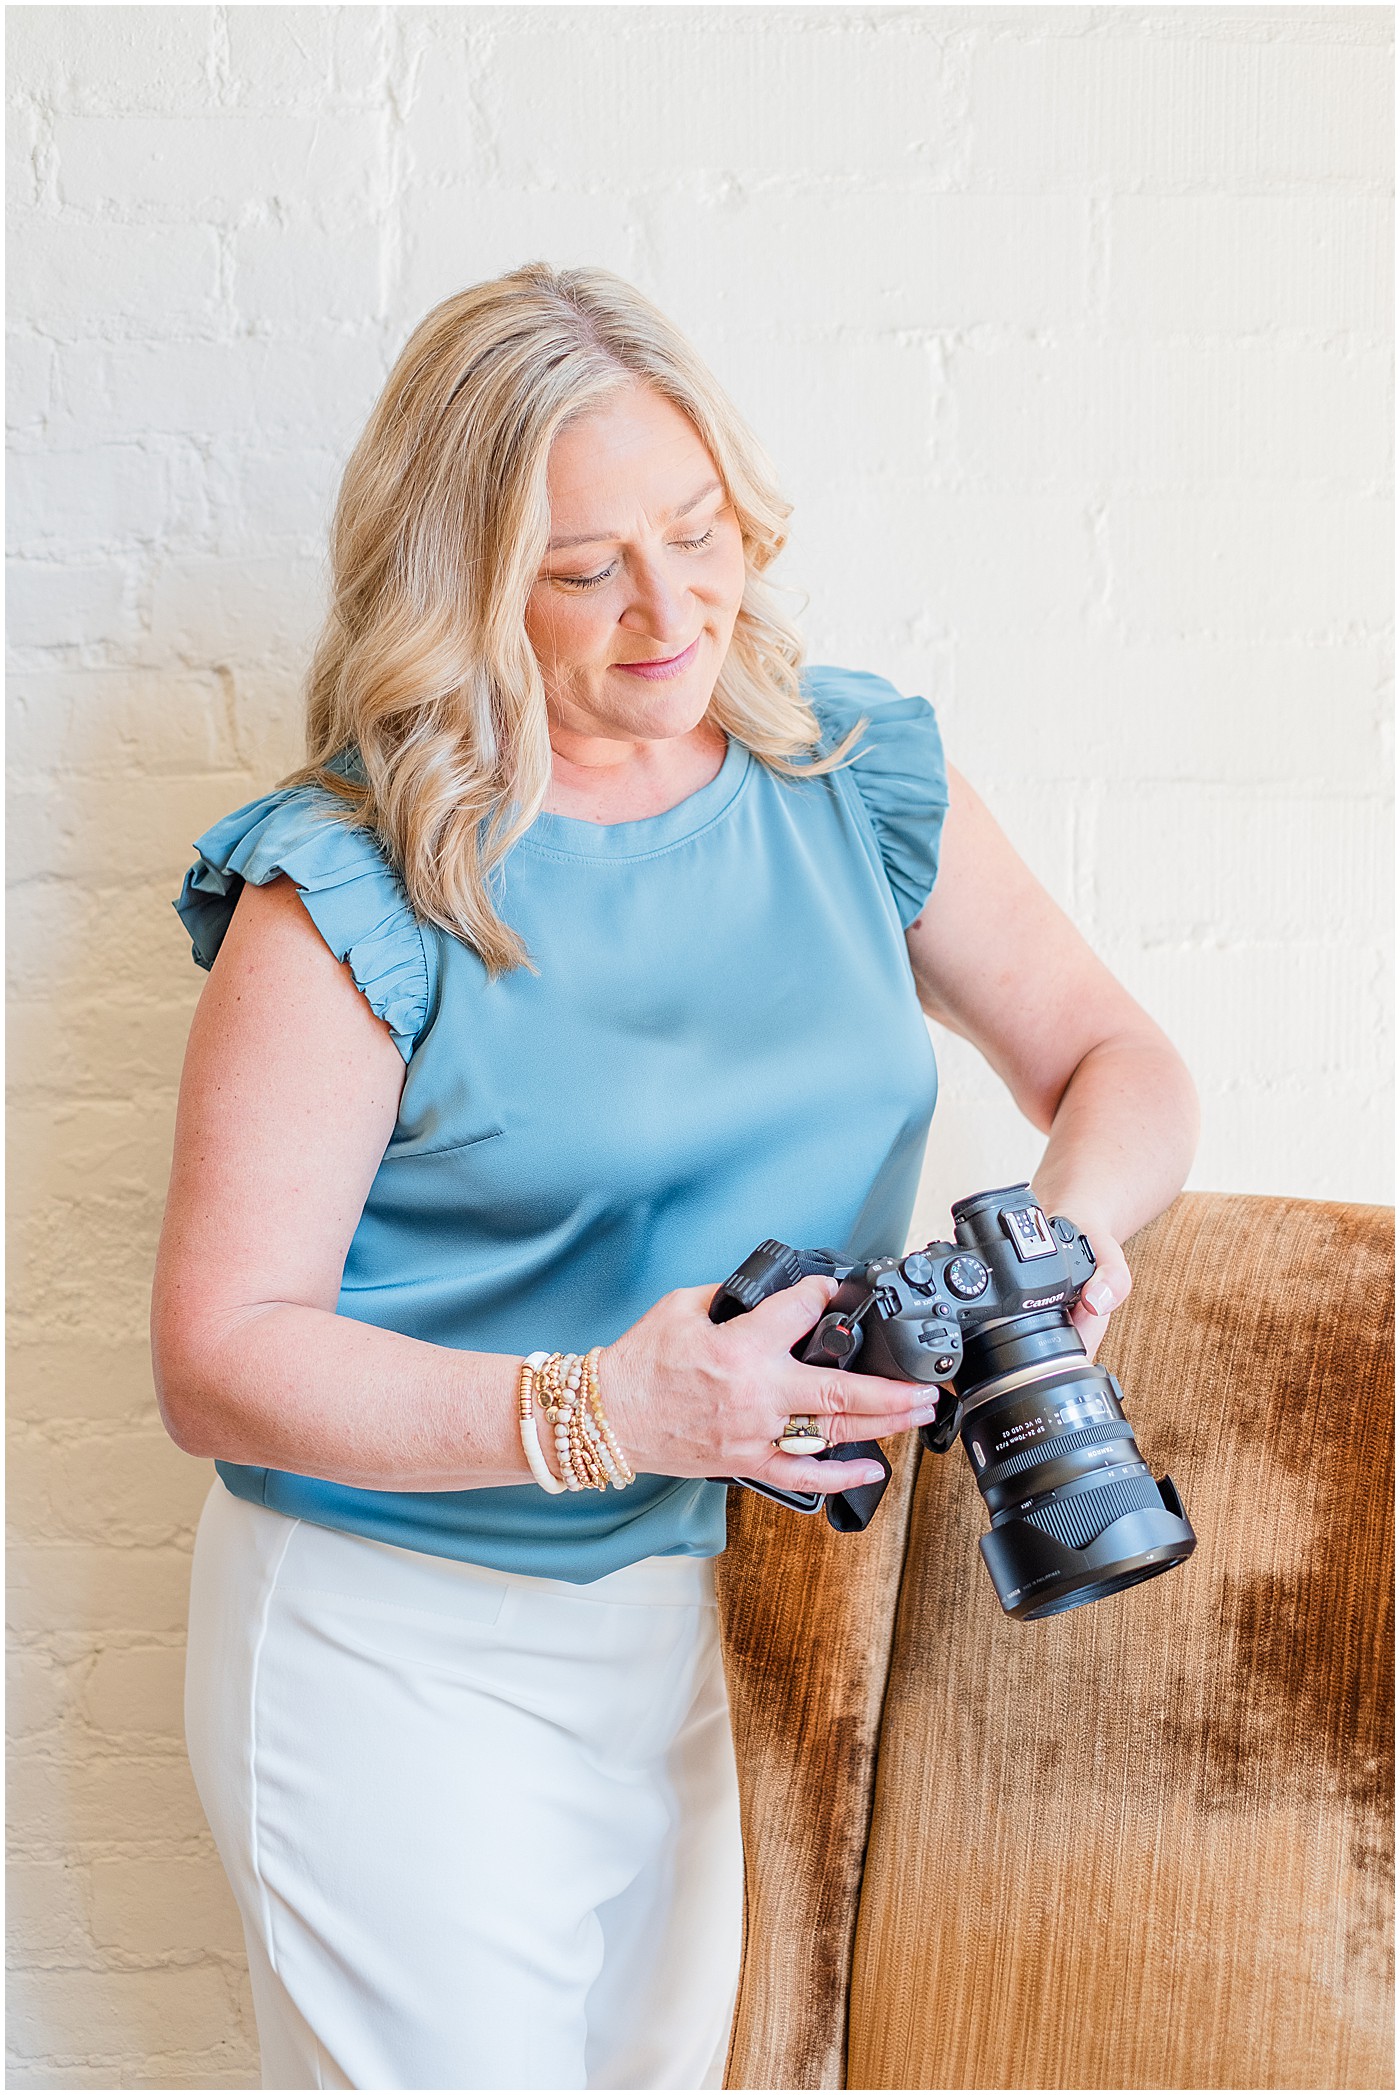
723,1044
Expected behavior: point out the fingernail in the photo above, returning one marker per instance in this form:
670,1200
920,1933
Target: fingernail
1099,1296
870,1474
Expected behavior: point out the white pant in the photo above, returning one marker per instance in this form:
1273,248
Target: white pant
483,1829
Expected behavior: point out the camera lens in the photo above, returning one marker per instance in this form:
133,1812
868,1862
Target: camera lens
1098,1590
1076,1513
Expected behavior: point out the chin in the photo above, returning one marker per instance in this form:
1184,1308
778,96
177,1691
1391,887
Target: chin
671,709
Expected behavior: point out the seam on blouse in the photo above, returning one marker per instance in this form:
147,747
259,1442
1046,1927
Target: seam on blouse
442,1149
637,858
940,806
428,938
855,800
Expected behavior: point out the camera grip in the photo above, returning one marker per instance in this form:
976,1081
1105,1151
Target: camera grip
849,1512
769,1268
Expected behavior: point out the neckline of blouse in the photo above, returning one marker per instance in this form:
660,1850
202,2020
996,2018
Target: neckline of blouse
570,836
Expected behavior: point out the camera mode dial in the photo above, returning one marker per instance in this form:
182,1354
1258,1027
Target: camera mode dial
967,1278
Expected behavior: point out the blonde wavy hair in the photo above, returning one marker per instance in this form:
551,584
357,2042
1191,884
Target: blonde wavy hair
426,711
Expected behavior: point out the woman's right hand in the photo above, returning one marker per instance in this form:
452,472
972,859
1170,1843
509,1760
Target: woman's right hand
688,1398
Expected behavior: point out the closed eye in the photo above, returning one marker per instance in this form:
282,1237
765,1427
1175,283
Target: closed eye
688,545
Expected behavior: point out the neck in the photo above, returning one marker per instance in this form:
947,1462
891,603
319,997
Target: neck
599,779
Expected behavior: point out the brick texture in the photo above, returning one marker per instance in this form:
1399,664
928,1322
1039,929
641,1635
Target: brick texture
1069,330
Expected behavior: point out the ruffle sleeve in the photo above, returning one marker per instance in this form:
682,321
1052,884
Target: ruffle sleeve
898,772
350,892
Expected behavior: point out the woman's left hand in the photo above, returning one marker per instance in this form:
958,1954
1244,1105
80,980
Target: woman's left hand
1109,1286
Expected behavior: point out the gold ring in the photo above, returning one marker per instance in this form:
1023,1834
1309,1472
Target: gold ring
802,1436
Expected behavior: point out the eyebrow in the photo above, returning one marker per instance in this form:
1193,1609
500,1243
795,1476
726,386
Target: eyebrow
594,538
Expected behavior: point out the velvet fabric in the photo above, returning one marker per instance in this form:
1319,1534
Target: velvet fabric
807,1616
1144,1844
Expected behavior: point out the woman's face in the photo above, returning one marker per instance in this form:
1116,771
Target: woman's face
645,567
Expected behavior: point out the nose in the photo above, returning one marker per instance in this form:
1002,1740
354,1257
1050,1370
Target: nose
656,607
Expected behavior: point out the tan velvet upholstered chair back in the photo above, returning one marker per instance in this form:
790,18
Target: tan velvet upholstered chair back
1144,1844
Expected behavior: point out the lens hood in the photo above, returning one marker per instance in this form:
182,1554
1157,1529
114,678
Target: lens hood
1037,1575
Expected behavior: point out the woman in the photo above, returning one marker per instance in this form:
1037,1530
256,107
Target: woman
587,950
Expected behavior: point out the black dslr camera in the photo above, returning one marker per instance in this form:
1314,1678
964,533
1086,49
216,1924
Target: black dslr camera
1076,1514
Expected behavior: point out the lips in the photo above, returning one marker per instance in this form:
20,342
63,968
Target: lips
674,665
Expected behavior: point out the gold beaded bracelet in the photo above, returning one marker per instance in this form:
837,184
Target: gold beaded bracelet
529,1429
620,1475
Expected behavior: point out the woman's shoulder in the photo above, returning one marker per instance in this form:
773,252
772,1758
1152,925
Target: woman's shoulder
346,883
897,771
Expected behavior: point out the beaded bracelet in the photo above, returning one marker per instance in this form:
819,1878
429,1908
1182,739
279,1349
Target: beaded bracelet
559,1379
609,1453
529,1430
585,1445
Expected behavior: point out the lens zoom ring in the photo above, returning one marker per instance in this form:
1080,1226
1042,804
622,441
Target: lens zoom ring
1075,1521
1051,1450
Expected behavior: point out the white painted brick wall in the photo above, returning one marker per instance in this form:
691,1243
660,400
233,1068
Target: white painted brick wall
1070,331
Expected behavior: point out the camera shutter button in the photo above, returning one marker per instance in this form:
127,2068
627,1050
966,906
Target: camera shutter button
837,1340
918,1271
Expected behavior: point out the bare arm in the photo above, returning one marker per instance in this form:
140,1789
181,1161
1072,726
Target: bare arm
289,1096
996,961
288,1099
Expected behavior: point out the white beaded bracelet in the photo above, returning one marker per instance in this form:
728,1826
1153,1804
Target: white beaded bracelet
560,1407
529,1428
